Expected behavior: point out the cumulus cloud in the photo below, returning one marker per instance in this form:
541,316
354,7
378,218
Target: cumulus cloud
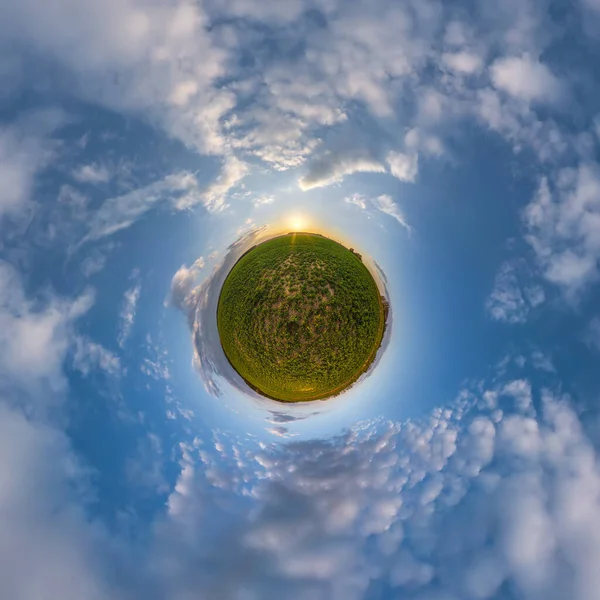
493,492
513,297
45,530
167,63
520,391
89,356
525,78
93,264
35,340
92,173
403,166
418,140
542,361
213,196
152,52
458,504
43,486
25,149
440,505
18,159
183,283
563,227
465,62
145,468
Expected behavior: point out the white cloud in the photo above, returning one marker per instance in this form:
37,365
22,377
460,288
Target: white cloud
213,196
198,300
25,149
127,313
464,62
564,227
156,369
145,468
571,270
183,93
403,166
132,56
418,140
365,49
183,283
167,63
278,126
520,125
279,13
331,168
512,300
18,160
92,264
92,173
357,200
324,519
386,205
48,546
451,505
180,190
121,212
525,78
35,340
49,549
89,356
542,361
263,200
520,390
325,532
383,203
428,506
535,295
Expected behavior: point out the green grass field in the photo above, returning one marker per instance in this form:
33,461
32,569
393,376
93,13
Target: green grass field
300,317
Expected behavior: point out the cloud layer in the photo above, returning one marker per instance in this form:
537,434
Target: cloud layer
375,89
487,493
493,495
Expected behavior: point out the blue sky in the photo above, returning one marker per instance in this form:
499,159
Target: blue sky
145,144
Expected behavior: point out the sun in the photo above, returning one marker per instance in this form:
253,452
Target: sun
297,222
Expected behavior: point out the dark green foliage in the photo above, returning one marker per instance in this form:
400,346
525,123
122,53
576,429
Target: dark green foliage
300,317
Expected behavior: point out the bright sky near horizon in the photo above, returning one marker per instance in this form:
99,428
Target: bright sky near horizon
144,144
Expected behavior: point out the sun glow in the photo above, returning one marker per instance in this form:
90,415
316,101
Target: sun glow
297,222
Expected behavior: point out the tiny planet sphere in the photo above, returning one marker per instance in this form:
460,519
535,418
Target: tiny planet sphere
300,317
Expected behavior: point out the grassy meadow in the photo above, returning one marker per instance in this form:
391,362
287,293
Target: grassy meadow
300,317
